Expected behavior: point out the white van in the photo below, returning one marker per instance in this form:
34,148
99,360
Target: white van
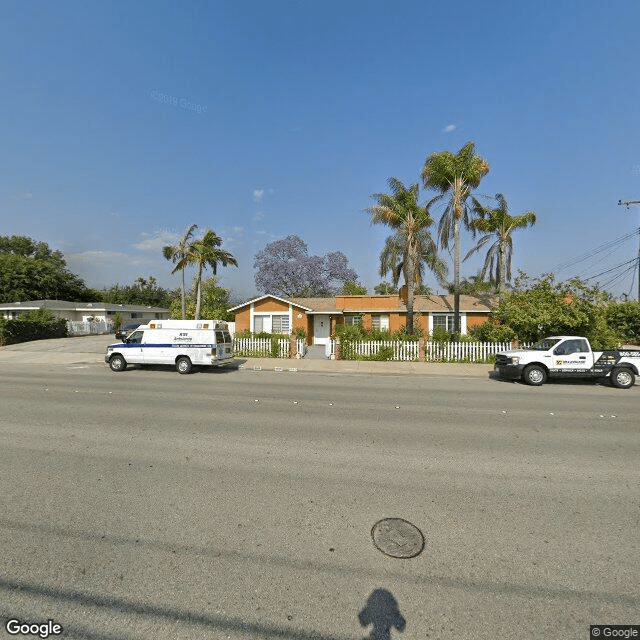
181,343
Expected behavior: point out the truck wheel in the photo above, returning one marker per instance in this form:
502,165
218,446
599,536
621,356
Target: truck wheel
117,363
534,375
183,365
622,378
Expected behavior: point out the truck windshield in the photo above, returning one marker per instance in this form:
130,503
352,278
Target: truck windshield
545,345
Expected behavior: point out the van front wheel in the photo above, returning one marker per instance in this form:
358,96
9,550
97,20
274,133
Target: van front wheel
183,365
117,363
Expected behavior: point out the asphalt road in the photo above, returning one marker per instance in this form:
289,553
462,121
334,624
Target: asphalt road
239,504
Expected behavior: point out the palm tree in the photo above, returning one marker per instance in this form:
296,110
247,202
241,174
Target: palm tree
177,253
392,259
497,224
409,247
455,175
206,253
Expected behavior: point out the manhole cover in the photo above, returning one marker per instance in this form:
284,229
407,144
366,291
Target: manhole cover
397,538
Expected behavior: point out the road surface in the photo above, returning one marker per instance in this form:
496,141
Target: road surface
239,504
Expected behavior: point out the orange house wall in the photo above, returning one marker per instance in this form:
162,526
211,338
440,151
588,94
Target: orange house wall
243,319
270,306
476,319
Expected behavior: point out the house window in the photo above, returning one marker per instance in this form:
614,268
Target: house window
135,314
353,319
380,322
443,320
280,324
258,324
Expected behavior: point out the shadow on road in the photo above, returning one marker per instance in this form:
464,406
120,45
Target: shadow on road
383,613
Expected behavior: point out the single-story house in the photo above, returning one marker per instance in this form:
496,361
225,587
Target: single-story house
86,311
319,316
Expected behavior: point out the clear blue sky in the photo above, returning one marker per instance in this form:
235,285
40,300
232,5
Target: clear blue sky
284,117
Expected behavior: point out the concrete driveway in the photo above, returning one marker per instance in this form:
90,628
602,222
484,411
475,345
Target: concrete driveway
91,350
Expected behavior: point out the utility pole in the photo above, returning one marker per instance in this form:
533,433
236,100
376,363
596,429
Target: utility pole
628,203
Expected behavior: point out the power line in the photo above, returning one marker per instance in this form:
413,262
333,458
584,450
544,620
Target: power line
593,252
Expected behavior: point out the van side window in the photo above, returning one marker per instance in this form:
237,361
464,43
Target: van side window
135,337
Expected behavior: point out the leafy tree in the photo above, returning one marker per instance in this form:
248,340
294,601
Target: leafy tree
285,268
385,289
539,307
498,225
215,302
352,288
624,317
203,253
411,246
177,255
455,176
144,292
30,270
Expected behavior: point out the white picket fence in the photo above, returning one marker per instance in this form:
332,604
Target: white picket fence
434,351
89,328
259,347
402,350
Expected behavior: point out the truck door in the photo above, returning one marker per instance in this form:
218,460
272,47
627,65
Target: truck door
572,356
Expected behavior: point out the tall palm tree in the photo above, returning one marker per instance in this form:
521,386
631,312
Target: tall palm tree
392,259
405,251
455,176
177,253
205,253
497,224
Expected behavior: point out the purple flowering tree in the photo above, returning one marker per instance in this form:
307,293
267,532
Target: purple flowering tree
285,268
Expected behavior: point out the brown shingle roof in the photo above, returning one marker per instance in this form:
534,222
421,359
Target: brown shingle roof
319,305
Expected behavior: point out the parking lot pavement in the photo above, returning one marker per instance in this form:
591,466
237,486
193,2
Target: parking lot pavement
91,350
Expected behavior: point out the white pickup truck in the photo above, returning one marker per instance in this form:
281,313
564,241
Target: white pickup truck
569,357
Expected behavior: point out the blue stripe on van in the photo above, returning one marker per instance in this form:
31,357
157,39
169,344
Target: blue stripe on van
146,345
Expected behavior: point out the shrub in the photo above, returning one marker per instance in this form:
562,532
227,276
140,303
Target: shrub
440,334
491,331
401,333
40,324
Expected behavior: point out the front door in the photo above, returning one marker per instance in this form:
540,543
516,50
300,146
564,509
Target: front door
321,329
572,356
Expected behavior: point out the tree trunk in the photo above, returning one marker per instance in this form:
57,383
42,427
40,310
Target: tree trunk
184,306
198,292
410,276
457,213
456,276
502,259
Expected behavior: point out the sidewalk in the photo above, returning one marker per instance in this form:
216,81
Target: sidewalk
367,367
91,349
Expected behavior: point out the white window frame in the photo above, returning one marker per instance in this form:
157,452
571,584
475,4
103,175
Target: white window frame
382,320
463,322
281,316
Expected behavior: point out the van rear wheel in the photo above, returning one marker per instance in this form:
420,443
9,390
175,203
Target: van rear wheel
183,365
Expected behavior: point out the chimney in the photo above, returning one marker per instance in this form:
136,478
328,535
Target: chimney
402,293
